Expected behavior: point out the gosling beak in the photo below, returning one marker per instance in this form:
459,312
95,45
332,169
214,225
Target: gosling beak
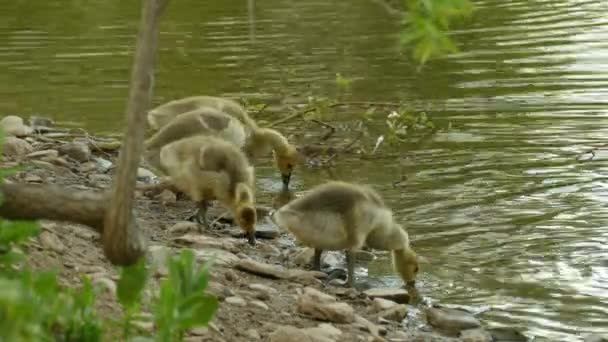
251,238
286,178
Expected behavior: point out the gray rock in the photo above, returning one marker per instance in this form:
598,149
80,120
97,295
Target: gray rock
201,241
145,175
220,257
103,165
262,269
266,230
237,301
451,320
512,335
76,150
399,296
40,121
396,313
167,197
106,283
13,125
230,275
323,333
381,304
100,178
262,291
156,257
303,256
253,334
15,147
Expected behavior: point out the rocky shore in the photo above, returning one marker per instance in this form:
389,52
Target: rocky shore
267,292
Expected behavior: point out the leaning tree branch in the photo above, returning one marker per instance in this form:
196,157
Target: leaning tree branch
120,242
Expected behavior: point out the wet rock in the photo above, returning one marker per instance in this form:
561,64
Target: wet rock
237,301
167,197
259,304
51,242
451,320
220,257
475,335
76,150
15,147
324,307
13,125
103,165
43,154
145,175
157,259
396,313
262,291
253,334
264,230
399,296
289,334
512,335
88,167
183,227
366,256
262,269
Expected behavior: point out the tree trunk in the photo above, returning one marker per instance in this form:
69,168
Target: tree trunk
120,242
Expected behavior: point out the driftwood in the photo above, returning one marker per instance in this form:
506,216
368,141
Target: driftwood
120,238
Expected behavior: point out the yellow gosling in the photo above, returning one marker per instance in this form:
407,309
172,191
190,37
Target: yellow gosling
344,216
259,141
207,168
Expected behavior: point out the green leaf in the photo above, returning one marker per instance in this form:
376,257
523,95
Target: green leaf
131,283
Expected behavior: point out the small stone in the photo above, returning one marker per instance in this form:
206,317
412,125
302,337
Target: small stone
396,313
234,300
269,249
289,334
13,125
50,241
399,296
380,304
76,150
201,241
323,333
33,179
451,320
303,256
262,269
167,197
106,283
43,154
145,175
230,275
183,227
368,326
15,147
157,259
200,331
266,230
259,304
100,178
324,307
253,334
103,165
145,326
475,335
262,291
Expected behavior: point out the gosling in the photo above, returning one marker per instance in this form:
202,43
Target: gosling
207,168
343,216
259,141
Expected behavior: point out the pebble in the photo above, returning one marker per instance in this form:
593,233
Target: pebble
381,304
235,300
289,334
156,257
399,296
262,291
230,275
43,154
40,121
50,241
259,304
167,197
253,334
15,147
324,307
396,313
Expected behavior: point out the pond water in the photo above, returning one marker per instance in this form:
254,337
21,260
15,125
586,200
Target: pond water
498,205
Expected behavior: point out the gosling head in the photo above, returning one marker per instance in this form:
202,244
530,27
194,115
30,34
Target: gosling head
246,217
405,262
286,161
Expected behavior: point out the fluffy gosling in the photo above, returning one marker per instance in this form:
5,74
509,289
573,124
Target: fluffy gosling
207,168
343,216
259,141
